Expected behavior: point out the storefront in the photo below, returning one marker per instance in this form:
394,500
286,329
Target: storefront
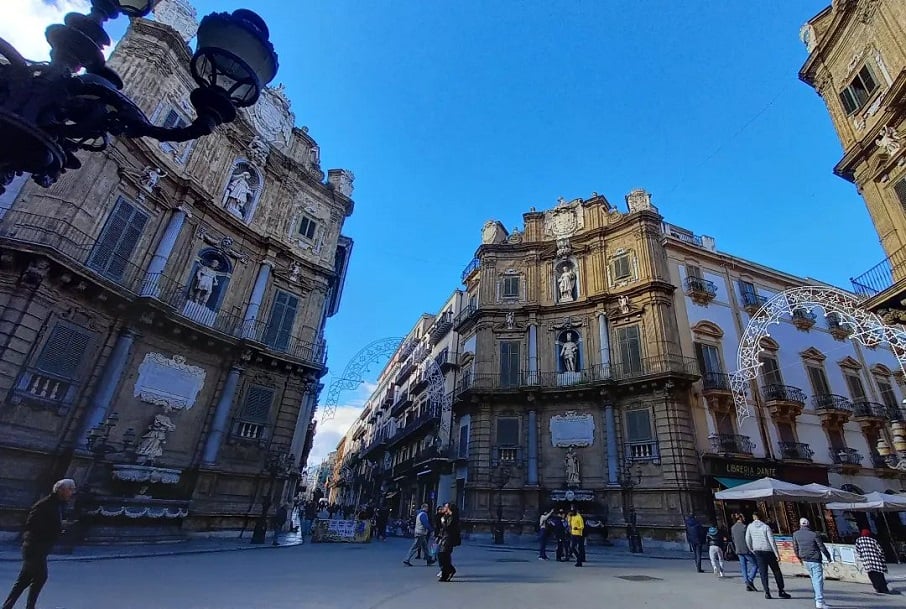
722,473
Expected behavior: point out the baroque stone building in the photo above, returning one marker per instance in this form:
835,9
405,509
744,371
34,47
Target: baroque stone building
183,288
857,64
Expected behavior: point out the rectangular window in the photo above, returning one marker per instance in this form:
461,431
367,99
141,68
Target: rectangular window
307,228
279,328
173,120
255,412
856,388
818,379
621,267
858,91
887,395
507,431
770,371
463,448
511,287
54,376
748,293
694,271
629,341
708,358
900,190
638,425
113,249
509,363
785,431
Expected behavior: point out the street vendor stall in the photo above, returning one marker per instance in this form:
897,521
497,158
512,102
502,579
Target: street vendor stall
882,503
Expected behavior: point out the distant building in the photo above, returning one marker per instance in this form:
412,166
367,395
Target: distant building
857,64
594,350
183,287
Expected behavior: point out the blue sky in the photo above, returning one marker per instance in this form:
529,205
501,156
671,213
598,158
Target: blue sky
453,113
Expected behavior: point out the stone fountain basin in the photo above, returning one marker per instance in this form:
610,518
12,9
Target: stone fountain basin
146,474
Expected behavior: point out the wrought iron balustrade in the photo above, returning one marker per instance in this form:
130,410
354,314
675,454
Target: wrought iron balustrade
870,410
715,381
752,302
845,456
882,275
731,444
796,451
699,285
783,393
829,401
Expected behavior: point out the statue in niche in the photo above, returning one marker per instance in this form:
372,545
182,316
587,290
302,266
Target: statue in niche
510,320
624,305
566,282
569,351
150,177
152,444
572,469
205,280
239,193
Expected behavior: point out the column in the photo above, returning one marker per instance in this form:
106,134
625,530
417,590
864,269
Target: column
251,312
151,285
613,457
604,341
533,354
302,421
221,416
99,406
532,474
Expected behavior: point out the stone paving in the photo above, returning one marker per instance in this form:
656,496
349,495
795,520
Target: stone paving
371,576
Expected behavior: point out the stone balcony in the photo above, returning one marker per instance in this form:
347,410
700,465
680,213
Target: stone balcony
731,444
784,402
834,410
795,451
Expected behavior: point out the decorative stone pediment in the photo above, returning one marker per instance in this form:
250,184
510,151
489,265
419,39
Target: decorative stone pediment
769,344
850,363
708,328
272,118
881,370
565,220
813,354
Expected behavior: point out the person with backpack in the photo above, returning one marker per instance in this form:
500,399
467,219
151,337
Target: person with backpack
545,534
716,541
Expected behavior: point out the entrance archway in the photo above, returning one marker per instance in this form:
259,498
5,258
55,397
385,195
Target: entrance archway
868,328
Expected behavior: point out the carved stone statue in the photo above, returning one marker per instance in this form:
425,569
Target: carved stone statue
259,150
889,140
239,193
566,283
205,280
624,305
152,444
295,270
150,177
510,320
569,351
572,469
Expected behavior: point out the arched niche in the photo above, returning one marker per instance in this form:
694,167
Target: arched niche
566,280
569,351
207,286
242,190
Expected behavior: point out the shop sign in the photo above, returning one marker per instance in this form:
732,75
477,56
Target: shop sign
744,469
572,495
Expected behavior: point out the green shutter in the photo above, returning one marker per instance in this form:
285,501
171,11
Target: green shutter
121,234
257,405
279,329
63,352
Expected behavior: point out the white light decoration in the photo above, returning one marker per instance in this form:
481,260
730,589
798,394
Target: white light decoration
868,328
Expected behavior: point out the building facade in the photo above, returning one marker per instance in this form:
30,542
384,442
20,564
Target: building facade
399,452
857,64
162,311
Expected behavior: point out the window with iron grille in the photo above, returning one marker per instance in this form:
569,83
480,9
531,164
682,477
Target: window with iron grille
859,90
114,248
510,287
54,375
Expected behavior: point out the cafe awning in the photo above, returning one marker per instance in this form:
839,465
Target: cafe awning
730,482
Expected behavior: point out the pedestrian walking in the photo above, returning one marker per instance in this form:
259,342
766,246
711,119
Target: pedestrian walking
809,548
557,524
448,537
747,564
577,535
715,541
760,539
43,527
422,530
871,555
381,515
545,534
695,535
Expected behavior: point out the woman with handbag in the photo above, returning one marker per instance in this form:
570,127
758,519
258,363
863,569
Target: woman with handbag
448,537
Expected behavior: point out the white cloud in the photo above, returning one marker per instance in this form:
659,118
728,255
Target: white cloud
24,22
331,431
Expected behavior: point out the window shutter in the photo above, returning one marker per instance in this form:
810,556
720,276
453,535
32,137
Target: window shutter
887,395
630,348
770,371
818,380
621,268
508,431
280,324
900,189
464,441
856,389
511,287
638,425
63,352
509,363
694,271
257,404
118,240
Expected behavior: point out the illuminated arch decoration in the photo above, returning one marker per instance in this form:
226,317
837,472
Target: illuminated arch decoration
868,328
354,375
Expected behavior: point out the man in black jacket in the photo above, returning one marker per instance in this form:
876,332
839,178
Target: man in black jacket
42,528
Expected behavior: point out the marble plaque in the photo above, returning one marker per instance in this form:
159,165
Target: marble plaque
572,429
168,382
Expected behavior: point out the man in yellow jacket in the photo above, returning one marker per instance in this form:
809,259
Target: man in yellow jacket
577,534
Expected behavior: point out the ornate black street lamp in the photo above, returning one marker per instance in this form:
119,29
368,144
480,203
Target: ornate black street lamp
278,464
628,481
49,110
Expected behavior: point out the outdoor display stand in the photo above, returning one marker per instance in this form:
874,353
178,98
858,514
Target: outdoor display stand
341,531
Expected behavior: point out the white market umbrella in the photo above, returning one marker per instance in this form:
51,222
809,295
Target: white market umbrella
874,502
835,494
769,489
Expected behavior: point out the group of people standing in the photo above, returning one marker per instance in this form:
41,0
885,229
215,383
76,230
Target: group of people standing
757,550
568,529
446,535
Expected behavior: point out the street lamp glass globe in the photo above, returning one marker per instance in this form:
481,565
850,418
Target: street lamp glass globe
135,8
235,55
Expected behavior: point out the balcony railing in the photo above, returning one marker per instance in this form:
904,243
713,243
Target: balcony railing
752,302
442,325
831,402
783,393
731,444
882,275
870,410
845,456
702,287
467,313
506,455
429,417
715,381
795,451
470,268
803,319
642,451
878,462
